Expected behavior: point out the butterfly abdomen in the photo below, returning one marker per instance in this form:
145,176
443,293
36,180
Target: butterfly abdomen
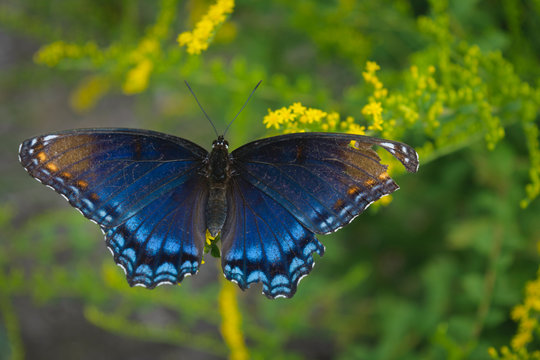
218,175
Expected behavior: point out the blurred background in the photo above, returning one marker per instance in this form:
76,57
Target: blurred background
448,269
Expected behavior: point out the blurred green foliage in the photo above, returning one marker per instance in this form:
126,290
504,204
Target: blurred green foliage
434,275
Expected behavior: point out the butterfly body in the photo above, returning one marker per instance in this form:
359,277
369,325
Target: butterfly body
218,175
155,195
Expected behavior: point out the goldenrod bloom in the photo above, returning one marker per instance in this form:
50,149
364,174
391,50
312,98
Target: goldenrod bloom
272,119
231,321
298,108
374,109
137,78
526,315
197,40
88,93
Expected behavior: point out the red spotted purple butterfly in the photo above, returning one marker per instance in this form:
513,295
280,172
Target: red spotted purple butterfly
155,195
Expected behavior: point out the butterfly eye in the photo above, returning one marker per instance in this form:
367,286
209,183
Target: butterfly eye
220,142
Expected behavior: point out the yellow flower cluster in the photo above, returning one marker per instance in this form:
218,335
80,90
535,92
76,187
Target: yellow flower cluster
197,40
231,321
51,54
138,77
527,315
208,242
148,51
374,107
371,78
88,92
137,62
298,118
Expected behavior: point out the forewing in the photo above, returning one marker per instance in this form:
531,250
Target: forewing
263,242
110,174
323,179
142,187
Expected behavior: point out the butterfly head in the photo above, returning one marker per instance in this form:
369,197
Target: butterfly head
220,142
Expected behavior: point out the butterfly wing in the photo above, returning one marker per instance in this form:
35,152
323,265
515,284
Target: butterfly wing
143,188
262,241
310,182
323,179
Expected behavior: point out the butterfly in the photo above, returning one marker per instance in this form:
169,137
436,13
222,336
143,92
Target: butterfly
155,195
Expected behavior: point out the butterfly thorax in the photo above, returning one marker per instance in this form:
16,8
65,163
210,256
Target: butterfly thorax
218,174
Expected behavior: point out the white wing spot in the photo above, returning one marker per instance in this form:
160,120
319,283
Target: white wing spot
388,145
49,137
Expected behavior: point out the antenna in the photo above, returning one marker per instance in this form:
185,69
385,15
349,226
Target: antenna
204,112
250,95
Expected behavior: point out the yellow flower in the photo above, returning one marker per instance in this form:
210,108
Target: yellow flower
521,339
297,108
356,129
209,237
137,78
285,115
272,119
89,91
198,40
372,67
374,109
203,30
185,38
53,53
314,115
332,119
519,312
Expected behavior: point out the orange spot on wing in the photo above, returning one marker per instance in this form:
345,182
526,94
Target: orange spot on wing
94,196
370,182
66,175
42,156
82,184
338,205
52,167
353,190
383,176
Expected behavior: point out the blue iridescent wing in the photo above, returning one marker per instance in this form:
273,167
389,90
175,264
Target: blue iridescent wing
323,179
317,183
263,242
143,188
